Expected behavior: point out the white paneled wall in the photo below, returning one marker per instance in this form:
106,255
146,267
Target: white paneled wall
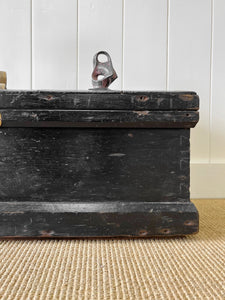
154,44
145,45
15,42
54,44
217,146
100,27
190,62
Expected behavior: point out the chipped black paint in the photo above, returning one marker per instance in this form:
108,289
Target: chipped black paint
98,118
76,164
99,100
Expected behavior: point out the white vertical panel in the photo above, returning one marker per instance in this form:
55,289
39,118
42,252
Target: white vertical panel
145,44
189,62
54,44
15,46
218,84
100,28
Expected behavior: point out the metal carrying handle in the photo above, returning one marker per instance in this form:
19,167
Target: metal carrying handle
3,80
103,74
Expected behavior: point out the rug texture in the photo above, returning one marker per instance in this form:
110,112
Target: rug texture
176,268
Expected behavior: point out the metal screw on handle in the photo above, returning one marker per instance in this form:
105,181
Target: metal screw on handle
103,74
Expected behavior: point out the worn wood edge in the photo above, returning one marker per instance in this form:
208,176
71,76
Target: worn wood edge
118,237
103,207
96,118
3,77
115,219
141,100
3,80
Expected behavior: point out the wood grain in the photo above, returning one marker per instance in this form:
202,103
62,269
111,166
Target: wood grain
99,118
78,164
97,219
100,100
111,172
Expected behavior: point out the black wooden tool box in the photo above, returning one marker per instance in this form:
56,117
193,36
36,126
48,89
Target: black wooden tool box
96,163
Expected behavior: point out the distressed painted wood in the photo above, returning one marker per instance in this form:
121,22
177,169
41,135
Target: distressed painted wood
99,100
115,219
34,32
130,177
98,118
92,165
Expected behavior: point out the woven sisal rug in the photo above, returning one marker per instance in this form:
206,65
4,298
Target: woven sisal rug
175,268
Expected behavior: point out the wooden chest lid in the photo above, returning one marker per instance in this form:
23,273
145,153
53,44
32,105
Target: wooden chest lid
99,99
98,108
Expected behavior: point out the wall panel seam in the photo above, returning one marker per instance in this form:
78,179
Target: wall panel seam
123,34
31,44
167,44
77,54
211,82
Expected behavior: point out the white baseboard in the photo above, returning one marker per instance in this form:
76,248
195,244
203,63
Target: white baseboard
207,180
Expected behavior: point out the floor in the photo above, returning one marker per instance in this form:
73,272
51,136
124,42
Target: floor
175,268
